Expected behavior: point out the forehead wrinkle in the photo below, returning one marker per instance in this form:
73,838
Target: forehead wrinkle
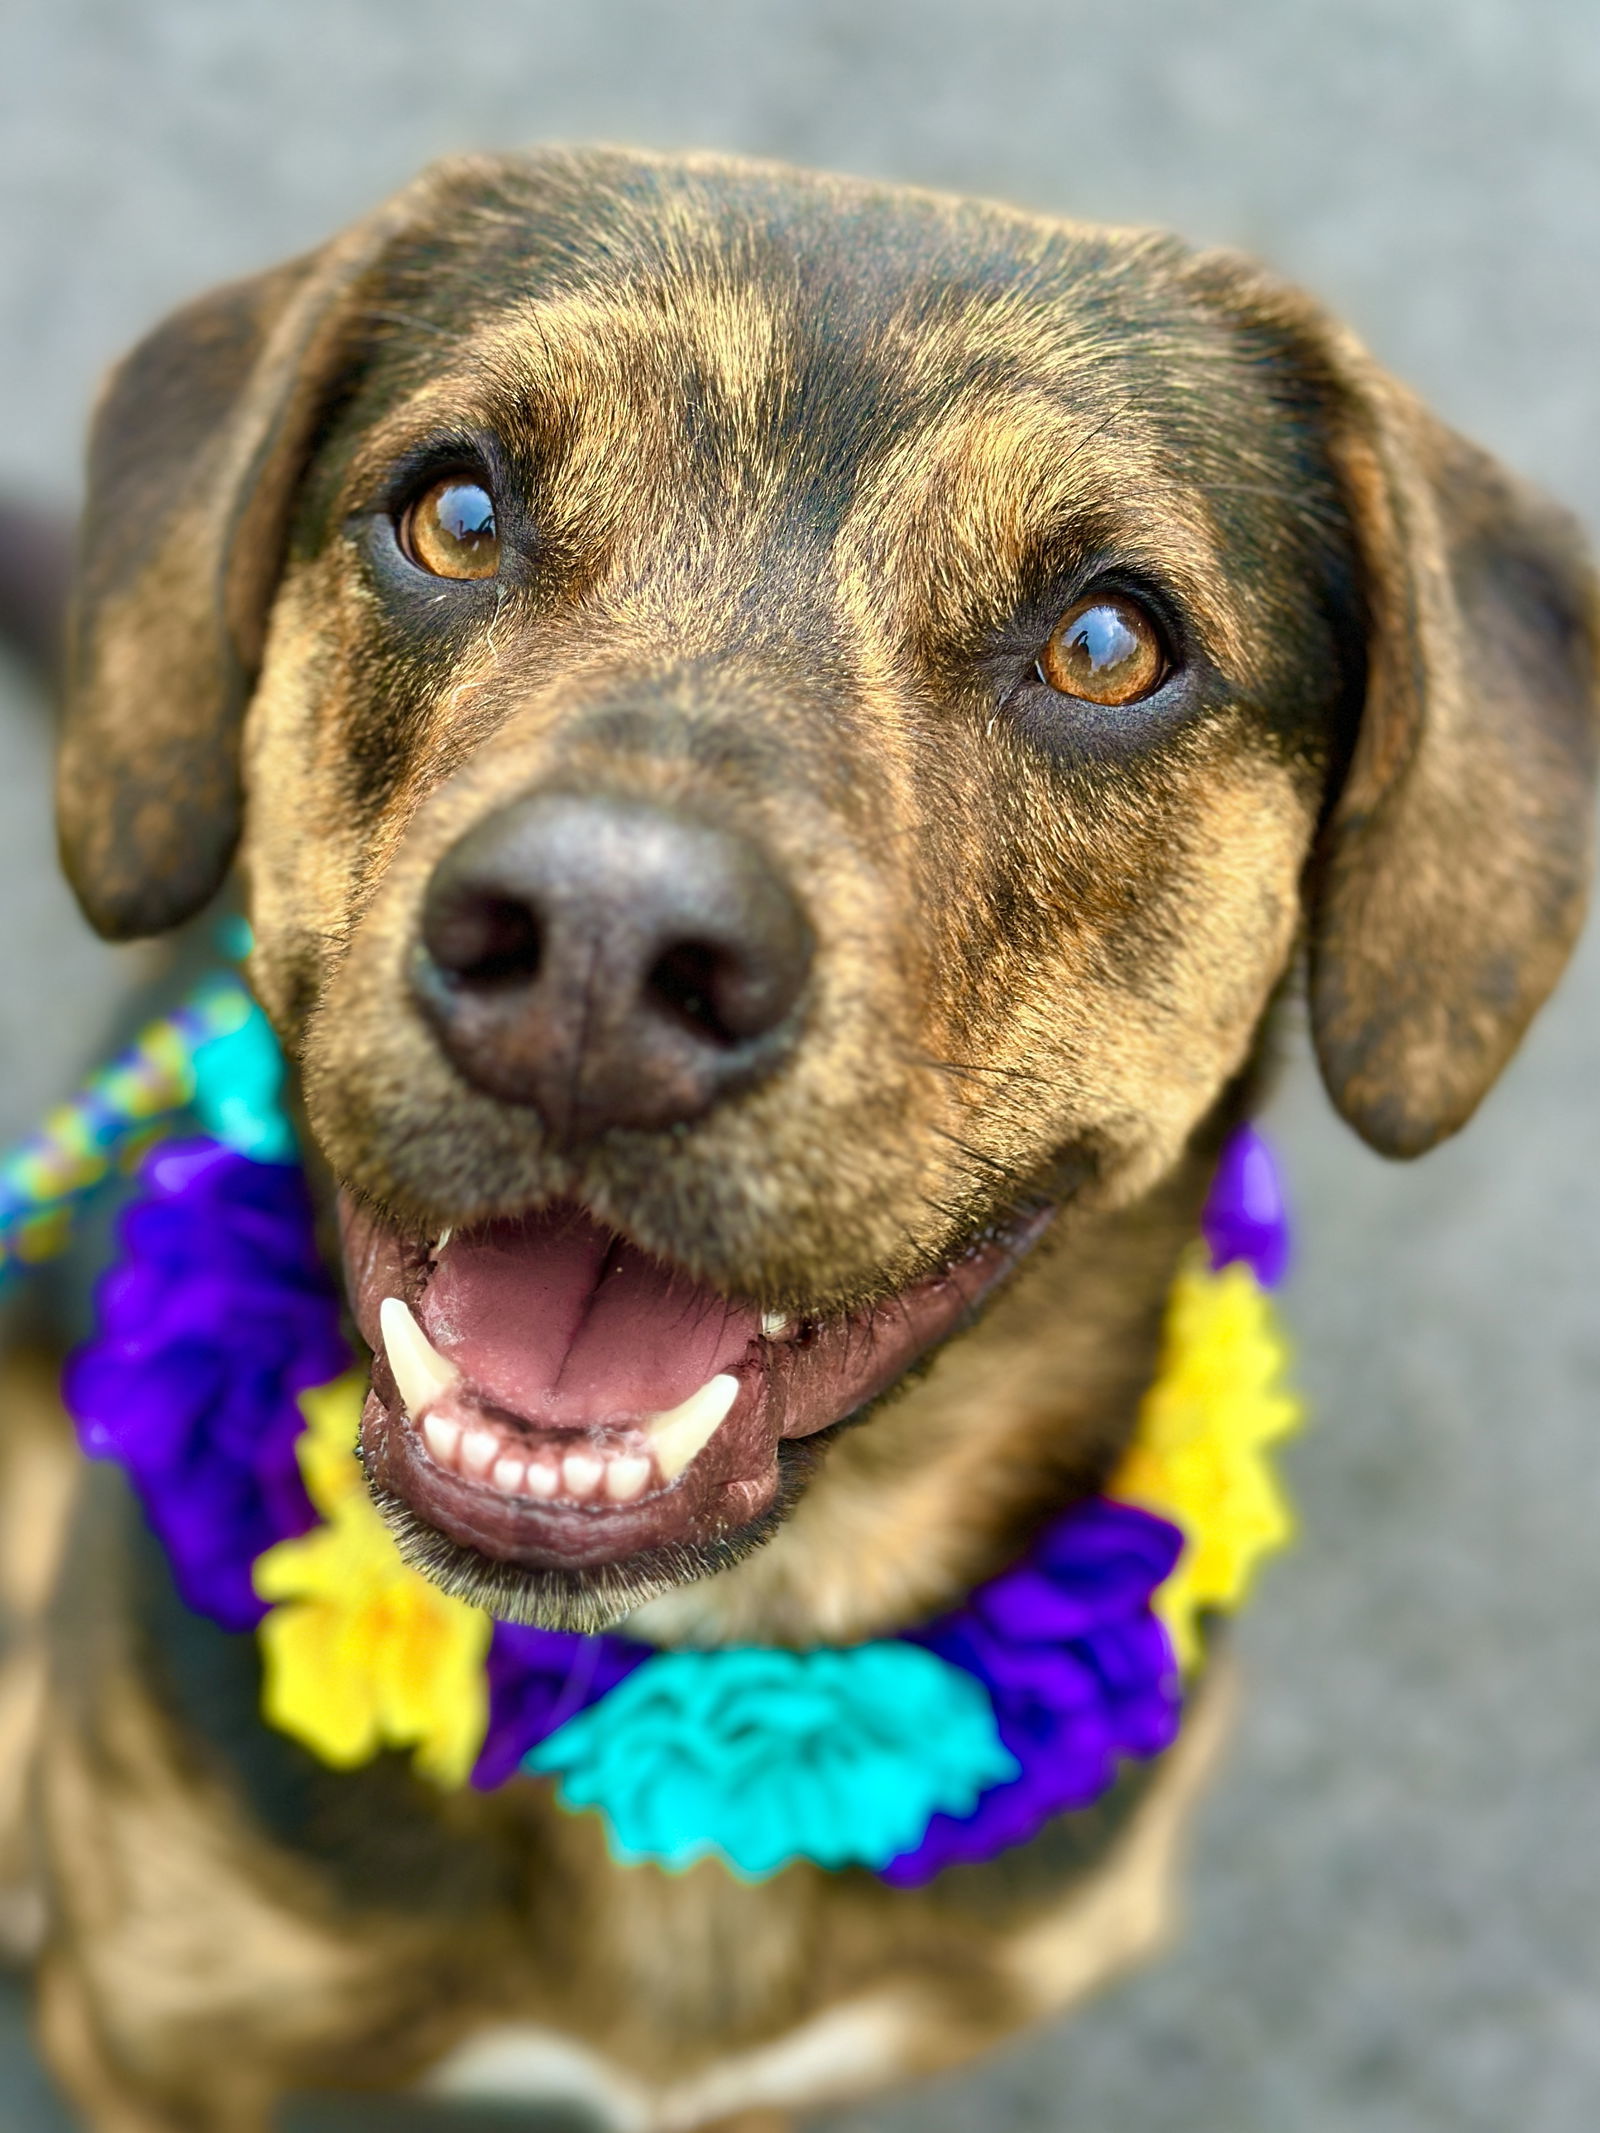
953,511
726,343
1048,325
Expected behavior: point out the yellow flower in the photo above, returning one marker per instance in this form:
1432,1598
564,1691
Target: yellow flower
1197,1457
360,1651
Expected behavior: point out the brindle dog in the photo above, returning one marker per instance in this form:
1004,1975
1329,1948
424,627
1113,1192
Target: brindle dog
783,739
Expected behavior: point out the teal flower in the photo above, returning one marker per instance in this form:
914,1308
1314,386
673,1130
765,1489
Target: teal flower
238,1089
760,1757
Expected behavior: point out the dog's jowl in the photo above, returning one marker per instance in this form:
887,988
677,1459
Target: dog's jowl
782,742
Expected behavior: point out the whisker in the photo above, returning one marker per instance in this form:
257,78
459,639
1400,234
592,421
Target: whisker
977,1069
973,1155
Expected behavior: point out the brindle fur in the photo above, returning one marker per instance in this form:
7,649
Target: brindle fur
796,476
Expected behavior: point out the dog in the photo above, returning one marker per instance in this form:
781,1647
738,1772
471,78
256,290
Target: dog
788,739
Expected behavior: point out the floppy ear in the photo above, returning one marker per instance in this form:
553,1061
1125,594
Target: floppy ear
1453,869
197,447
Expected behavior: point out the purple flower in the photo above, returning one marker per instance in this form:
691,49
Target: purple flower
1080,1672
1245,1216
216,1315
538,1679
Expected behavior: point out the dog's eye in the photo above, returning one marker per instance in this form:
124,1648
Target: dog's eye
450,530
1106,650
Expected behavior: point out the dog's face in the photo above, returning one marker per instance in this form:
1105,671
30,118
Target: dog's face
788,731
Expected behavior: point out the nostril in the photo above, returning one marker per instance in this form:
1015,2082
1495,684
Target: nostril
609,962
696,981
485,939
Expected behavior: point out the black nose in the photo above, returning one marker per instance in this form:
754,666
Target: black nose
609,962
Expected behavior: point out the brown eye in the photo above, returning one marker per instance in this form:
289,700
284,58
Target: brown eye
450,530
1106,650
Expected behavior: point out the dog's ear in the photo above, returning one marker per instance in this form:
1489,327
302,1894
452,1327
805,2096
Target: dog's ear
198,444
1454,870
1451,876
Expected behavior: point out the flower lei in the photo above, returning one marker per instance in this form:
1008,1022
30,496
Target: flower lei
218,1379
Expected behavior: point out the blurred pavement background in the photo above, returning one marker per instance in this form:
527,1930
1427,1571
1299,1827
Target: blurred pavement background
1395,1909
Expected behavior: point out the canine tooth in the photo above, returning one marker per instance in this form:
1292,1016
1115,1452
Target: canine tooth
480,1448
422,1376
443,1439
443,1238
627,1476
542,1478
509,1475
581,1472
681,1434
775,1324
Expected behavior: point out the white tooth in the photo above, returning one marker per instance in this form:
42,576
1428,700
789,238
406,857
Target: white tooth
543,1480
443,1238
775,1324
682,1433
422,1376
480,1448
509,1475
581,1472
443,1439
627,1476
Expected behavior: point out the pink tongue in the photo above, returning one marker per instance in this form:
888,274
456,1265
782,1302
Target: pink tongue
557,1320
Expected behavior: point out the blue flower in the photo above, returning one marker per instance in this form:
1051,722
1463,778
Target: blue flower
238,1090
761,1757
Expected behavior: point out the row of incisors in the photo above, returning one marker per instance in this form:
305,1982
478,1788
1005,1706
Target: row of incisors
599,1467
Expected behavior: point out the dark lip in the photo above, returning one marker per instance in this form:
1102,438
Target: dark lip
793,1387
697,1508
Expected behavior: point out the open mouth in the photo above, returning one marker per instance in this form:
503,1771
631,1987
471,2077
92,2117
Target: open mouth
548,1398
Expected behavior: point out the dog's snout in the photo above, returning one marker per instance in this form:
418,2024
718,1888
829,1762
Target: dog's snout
610,962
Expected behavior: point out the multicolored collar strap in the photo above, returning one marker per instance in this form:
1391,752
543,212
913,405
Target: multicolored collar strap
219,1381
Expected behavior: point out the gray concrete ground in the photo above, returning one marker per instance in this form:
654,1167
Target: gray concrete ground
1396,1892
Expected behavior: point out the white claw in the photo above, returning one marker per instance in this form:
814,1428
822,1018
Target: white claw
421,1375
627,1477
679,1436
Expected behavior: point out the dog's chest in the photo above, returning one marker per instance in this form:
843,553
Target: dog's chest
840,1996
845,2051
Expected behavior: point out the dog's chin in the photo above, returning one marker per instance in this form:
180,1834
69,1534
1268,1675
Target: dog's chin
562,1428
586,1600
